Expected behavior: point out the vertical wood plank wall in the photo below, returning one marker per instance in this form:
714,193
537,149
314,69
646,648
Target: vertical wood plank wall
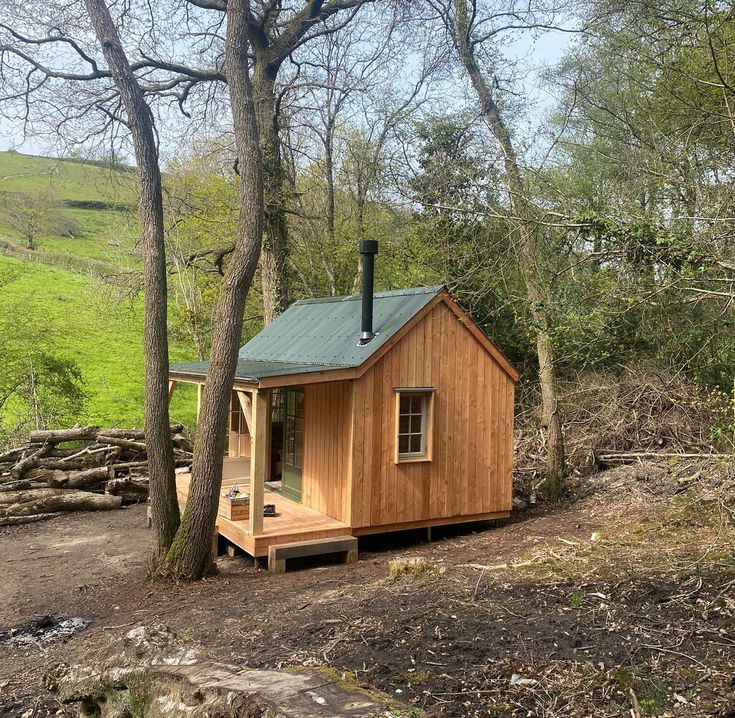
473,429
326,471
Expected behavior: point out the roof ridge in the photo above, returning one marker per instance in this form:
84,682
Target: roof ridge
402,292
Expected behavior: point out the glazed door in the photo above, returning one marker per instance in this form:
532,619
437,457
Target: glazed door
293,443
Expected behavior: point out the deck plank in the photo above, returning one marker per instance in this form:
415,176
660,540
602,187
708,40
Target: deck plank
293,522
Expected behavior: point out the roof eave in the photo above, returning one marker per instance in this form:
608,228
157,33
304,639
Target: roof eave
199,377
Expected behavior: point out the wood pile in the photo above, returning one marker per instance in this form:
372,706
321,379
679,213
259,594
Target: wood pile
630,417
85,468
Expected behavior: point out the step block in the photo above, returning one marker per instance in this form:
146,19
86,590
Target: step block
280,553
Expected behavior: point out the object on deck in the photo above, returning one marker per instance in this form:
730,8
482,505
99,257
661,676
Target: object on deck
269,510
235,508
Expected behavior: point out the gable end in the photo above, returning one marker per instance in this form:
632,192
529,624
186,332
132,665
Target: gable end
482,339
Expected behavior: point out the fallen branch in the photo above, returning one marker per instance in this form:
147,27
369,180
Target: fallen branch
88,433
15,520
80,479
122,443
30,462
24,495
97,457
56,436
632,456
128,485
37,461
64,501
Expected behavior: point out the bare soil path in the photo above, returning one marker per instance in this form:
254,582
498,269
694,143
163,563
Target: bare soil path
62,566
621,602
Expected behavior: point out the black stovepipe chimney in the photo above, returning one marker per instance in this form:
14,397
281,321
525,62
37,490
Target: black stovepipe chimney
368,250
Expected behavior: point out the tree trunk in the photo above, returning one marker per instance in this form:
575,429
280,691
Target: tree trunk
274,258
330,207
190,554
529,250
164,505
550,415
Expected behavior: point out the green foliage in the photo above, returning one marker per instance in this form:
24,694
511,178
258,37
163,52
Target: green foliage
325,258
82,342
464,240
452,173
653,699
576,599
202,195
38,387
642,176
623,677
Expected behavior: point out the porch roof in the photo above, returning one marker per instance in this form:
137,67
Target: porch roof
315,335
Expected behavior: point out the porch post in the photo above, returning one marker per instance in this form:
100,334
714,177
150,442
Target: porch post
259,464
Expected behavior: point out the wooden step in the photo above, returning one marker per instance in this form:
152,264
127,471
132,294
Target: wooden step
280,553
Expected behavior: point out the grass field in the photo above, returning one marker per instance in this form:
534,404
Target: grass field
100,199
88,322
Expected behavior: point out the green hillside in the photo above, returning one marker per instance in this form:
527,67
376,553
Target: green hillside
85,319
101,200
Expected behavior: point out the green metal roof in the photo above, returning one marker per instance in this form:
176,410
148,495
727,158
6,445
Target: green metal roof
322,335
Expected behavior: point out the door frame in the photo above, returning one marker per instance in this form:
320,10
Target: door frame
292,475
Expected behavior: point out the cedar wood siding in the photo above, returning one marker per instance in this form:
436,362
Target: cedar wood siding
471,470
327,432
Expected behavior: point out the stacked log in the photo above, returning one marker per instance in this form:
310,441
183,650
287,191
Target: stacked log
84,468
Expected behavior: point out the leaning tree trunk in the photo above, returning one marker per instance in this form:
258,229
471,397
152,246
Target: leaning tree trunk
274,257
164,505
528,250
189,556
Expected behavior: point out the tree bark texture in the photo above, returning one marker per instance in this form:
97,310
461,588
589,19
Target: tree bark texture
528,248
190,554
274,257
164,505
62,501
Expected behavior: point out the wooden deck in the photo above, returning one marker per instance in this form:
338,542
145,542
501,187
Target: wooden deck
293,521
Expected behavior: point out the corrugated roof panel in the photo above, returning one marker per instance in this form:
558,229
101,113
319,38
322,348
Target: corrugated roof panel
322,334
326,331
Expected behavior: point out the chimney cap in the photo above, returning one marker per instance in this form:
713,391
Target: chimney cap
368,246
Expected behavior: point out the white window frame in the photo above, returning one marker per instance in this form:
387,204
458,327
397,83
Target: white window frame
427,413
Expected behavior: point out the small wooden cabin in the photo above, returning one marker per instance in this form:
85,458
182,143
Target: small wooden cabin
411,428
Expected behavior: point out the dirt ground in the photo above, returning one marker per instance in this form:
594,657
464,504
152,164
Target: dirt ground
618,603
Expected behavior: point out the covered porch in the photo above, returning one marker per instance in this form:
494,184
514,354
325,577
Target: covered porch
264,454
293,521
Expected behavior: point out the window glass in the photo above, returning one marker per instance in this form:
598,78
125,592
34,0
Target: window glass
294,428
412,418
